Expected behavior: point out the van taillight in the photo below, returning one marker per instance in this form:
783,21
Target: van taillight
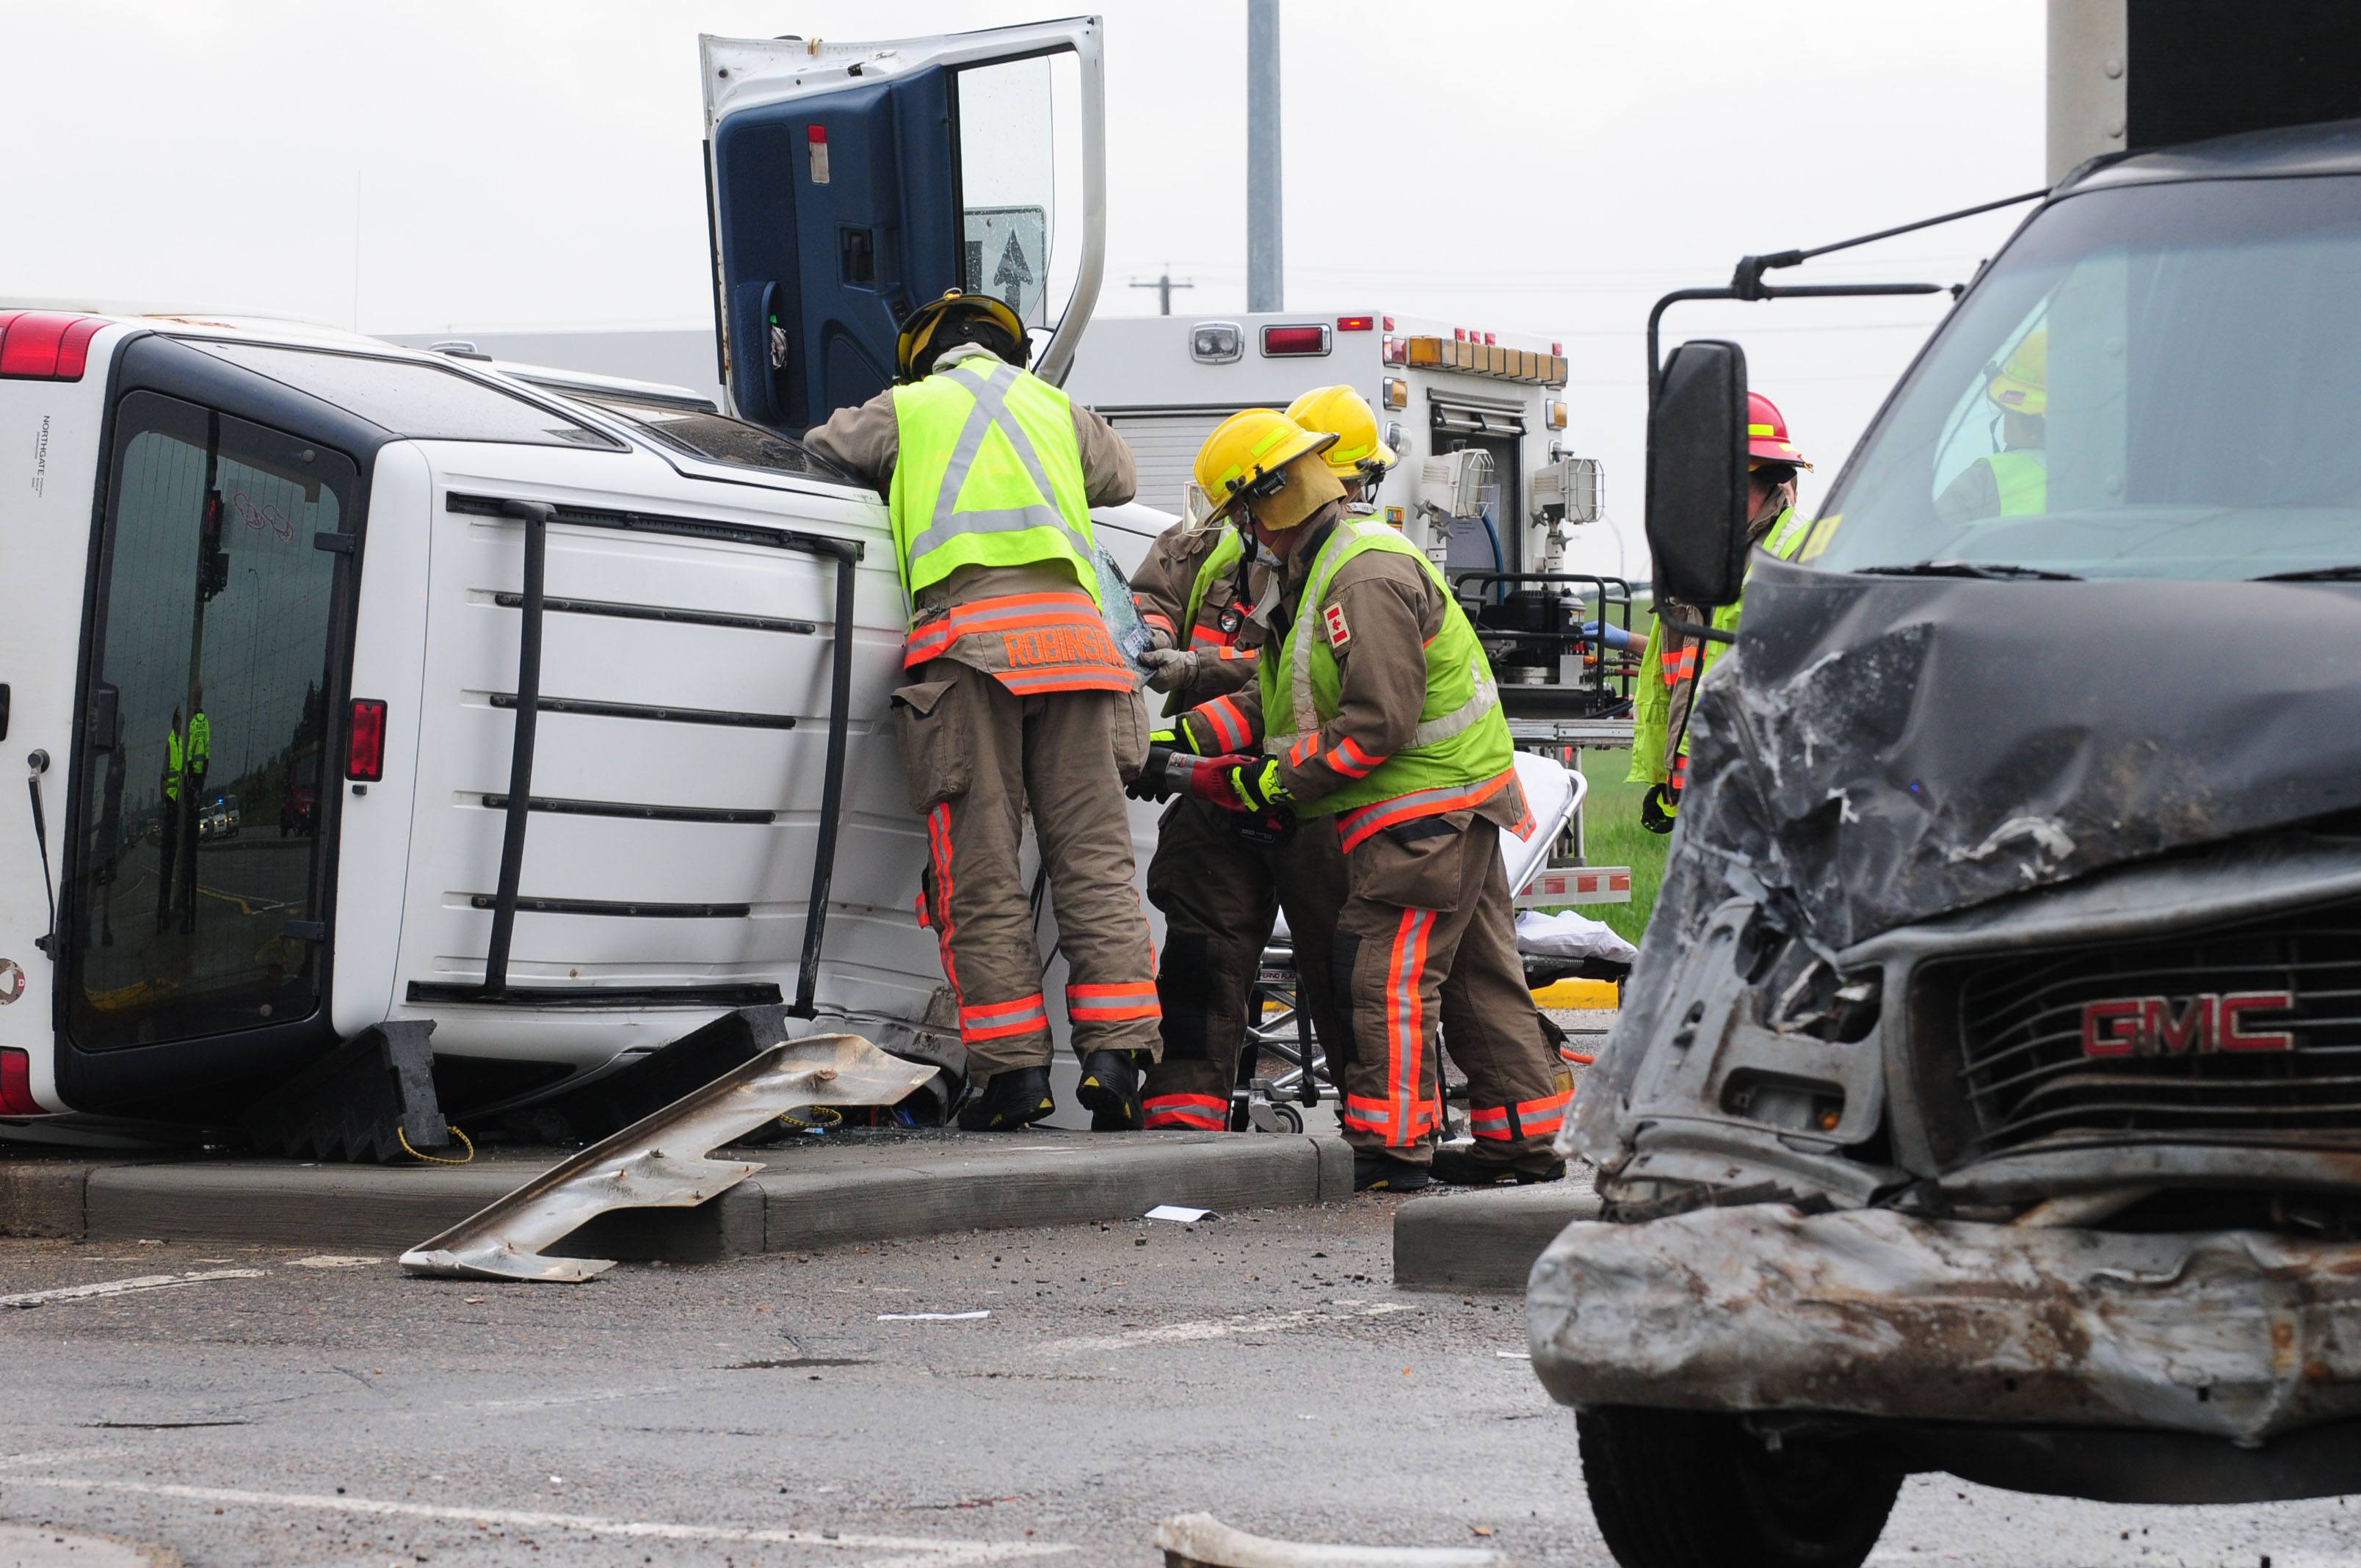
45,346
17,1086
1277,342
365,753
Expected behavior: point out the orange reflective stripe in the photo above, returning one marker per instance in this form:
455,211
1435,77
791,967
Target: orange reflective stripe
1112,1004
1231,732
1206,1111
1300,753
998,1020
1526,1119
1349,760
1406,1022
1353,827
1232,654
938,840
1015,613
1031,683
1211,637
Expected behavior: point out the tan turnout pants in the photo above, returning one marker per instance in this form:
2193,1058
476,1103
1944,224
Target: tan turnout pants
1220,892
1428,936
977,755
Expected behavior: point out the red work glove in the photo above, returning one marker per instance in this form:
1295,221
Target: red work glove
1210,780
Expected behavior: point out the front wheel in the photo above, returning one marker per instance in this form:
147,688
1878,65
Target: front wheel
1696,1489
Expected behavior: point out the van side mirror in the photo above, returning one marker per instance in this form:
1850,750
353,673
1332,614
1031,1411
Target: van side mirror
1696,475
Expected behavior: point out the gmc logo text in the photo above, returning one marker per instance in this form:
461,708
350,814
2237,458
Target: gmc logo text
2160,1026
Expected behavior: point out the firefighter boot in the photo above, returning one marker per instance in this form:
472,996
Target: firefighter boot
1010,1099
1375,1171
1110,1088
1457,1167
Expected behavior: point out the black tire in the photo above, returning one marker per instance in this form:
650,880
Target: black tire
1694,1489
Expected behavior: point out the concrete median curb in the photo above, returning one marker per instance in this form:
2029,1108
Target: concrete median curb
1487,1239
850,1187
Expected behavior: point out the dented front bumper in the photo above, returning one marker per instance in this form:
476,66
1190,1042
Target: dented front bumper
2231,1334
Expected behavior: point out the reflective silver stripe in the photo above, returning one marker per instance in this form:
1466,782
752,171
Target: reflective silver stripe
992,409
1443,726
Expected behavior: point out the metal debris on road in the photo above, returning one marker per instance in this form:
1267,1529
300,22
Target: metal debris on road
659,1161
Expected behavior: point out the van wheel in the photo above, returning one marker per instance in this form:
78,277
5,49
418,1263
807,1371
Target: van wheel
1696,1489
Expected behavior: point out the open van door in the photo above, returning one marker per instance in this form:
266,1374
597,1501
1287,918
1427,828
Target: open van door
850,183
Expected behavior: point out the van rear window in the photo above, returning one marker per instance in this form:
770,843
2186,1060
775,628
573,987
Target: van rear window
424,402
718,438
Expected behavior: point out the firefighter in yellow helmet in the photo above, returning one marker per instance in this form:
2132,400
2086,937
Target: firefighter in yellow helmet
2015,480
1375,726
1200,580
1221,876
1016,697
1673,665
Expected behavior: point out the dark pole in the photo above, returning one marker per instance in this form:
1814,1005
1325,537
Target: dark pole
1265,265
536,516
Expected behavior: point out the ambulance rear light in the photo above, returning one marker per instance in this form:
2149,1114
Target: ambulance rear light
1216,343
1356,323
1556,348
1389,324
1294,342
1397,392
45,346
16,1084
1390,351
1556,414
365,748
1490,340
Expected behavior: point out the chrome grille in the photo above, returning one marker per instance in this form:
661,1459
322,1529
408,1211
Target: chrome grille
2244,1030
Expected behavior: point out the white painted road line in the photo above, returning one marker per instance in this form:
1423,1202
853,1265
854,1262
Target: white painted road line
1225,1328
125,1286
919,1551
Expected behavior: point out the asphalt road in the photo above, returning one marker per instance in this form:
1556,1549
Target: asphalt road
282,1411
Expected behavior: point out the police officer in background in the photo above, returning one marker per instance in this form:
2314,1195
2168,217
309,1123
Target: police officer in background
1018,695
1374,716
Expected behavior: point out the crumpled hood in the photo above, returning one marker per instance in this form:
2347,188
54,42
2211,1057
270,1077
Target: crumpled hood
1875,750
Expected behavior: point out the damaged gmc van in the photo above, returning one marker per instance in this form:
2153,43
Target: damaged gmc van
1987,1097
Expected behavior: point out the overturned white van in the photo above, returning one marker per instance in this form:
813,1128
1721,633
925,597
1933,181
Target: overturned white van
568,697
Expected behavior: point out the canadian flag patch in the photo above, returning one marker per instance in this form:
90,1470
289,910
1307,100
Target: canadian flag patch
1339,633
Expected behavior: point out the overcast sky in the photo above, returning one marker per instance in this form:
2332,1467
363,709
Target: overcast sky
1551,168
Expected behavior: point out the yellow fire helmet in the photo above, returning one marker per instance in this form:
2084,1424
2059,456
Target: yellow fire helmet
913,355
2022,387
1358,452
1261,457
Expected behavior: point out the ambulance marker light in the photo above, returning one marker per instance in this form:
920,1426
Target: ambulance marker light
1389,324
365,755
1556,414
1356,323
1490,340
16,1085
1397,392
1459,335
1283,341
1557,349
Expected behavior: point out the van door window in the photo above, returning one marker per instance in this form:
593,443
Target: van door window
1018,199
208,712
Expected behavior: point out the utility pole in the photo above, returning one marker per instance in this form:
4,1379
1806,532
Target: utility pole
1265,263
1164,286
